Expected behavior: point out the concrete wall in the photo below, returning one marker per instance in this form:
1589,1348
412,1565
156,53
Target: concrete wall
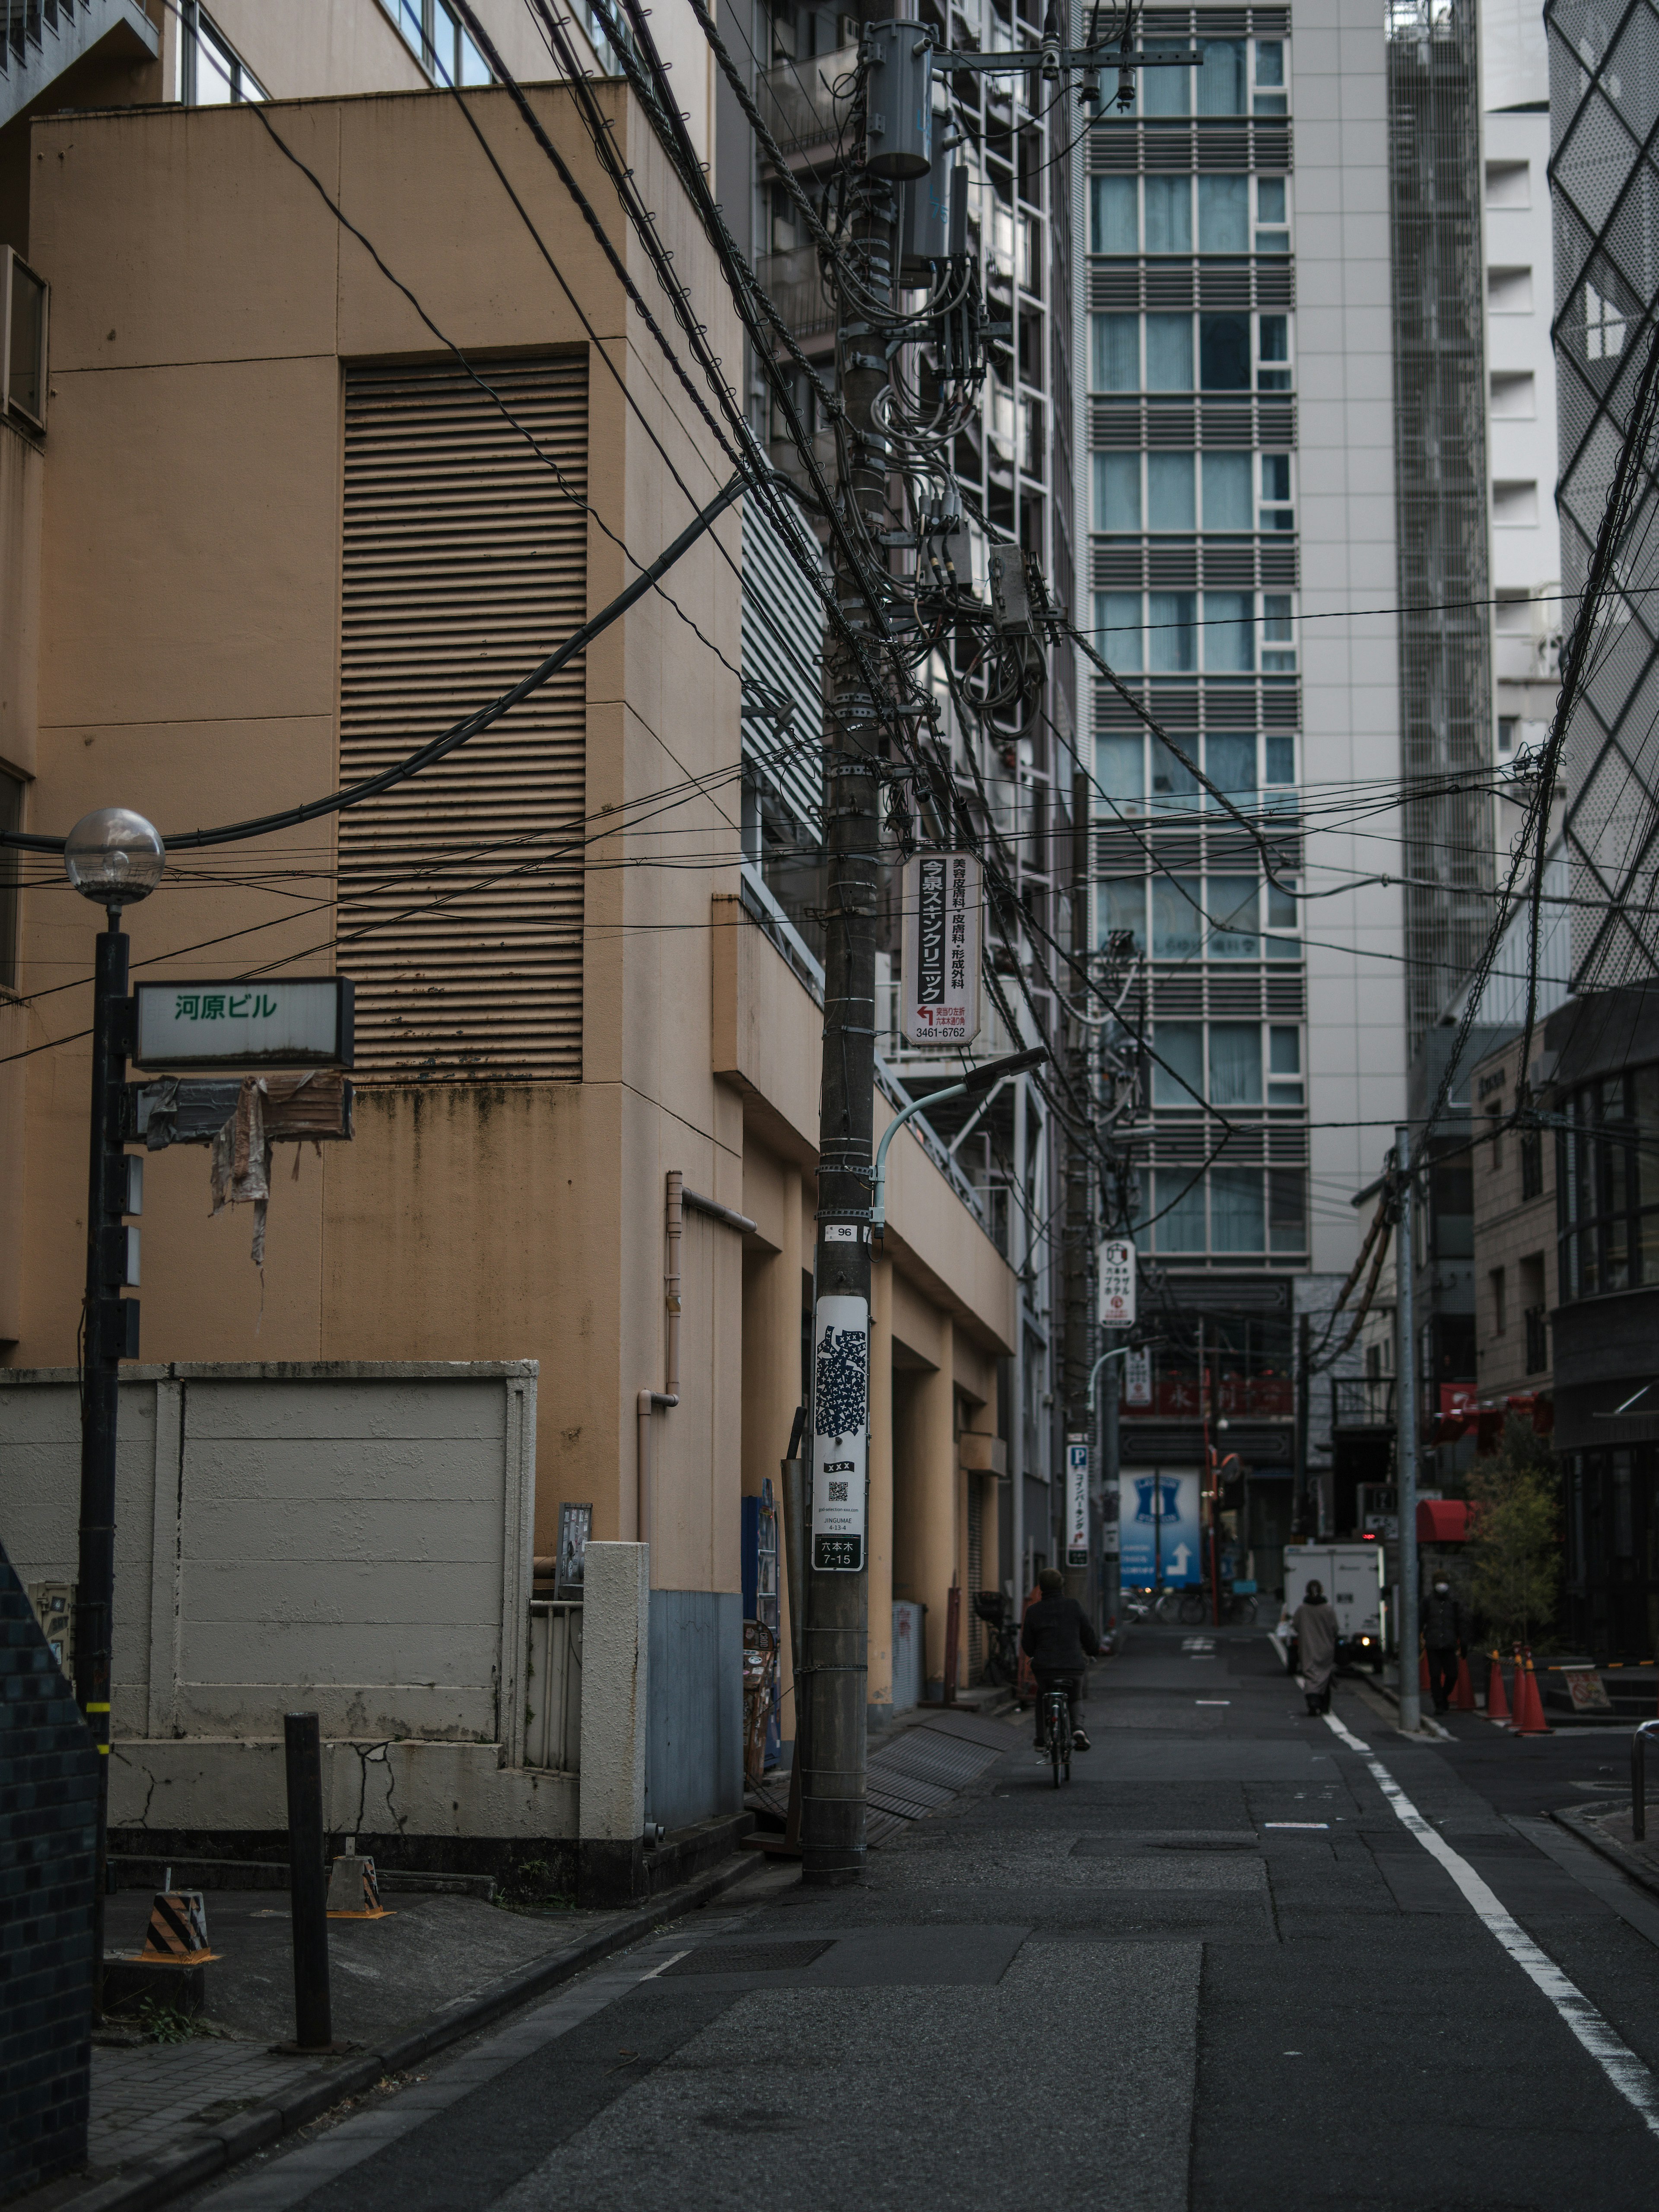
349,1539
1351,685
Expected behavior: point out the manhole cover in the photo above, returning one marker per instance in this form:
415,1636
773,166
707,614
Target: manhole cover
748,1958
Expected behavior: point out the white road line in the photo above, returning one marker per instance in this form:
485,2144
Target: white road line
1626,2072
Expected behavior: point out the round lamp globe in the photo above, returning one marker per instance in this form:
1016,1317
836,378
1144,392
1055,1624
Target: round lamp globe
114,856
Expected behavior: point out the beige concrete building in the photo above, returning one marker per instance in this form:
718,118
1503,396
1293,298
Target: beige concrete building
272,530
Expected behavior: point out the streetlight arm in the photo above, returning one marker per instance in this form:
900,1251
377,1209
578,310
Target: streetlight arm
981,1079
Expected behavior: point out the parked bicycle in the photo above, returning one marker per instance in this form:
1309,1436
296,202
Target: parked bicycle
1057,1731
995,1610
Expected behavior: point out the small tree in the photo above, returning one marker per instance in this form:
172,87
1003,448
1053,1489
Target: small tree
1513,1515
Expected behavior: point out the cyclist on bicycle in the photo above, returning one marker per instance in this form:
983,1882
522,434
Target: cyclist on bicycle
1058,1638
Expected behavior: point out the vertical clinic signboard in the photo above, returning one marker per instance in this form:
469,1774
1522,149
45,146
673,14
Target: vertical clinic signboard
1159,1538
1076,1502
940,939
840,1432
1138,1377
1117,1284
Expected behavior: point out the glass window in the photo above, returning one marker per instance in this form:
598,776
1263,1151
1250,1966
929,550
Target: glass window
1171,495
1270,199
1221,80
1229,632
1231,761
1287,1225
212,76
1269,62
1278,650
1169,214
1224,352
1283,1066
1226,491
1223,214
1281,906
1169,353
1116,216
1181,1229
1236,1213
1119,769
1281,756
1275,338
1117,353
1178,934
1178,1070
1117,491
1166,91
1236,1063
1172,618
1117,629
475,69
1175,788
1232,907
1123,906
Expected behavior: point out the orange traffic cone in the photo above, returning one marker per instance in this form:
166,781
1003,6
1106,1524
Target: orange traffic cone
1529,1705
1423,1682
1463,1695
1498,1706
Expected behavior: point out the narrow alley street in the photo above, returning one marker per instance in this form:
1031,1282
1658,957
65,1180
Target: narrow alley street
1246,1958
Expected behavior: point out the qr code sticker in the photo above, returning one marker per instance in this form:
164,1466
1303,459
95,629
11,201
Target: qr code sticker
843,1393
838,1493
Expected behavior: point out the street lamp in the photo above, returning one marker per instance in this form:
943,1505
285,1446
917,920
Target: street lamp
115,858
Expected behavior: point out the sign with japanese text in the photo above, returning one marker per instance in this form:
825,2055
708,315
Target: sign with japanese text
840,1432
1076,1502
941,948
1138,1377
301,1021
1117,1284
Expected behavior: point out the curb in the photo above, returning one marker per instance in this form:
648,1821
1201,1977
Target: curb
155,2180
1576,1820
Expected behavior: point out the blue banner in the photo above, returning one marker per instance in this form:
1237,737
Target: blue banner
1158,1530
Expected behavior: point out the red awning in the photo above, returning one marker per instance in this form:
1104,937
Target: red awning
1442,1521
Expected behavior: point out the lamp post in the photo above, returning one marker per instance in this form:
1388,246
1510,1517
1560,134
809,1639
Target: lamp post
115,858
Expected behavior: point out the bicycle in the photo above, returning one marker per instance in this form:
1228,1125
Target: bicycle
1057,1731
1002,1658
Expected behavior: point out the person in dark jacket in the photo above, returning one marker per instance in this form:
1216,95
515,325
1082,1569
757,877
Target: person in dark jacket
1445,1636
1058,1640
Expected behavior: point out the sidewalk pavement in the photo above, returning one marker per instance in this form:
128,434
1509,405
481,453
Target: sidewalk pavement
169,2115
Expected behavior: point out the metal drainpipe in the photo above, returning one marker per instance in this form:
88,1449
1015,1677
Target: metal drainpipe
1017,1422
649,1401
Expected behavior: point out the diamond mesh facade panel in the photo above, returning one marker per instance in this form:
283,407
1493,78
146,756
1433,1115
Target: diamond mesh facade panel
1604,177
1440,482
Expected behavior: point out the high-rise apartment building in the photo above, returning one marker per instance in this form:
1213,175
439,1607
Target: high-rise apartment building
1243,485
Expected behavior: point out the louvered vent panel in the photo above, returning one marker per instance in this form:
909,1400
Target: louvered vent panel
466,564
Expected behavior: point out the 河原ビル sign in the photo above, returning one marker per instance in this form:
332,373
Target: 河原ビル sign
301,1021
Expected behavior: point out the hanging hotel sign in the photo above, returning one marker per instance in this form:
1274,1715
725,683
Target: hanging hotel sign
300,1021
840,1432
1076,1502
1117,1284
941,941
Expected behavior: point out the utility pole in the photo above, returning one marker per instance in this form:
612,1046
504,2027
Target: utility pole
896,127
112,857
1405,1440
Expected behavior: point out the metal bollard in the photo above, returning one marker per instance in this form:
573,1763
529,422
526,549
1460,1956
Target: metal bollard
1638,1778
314,2025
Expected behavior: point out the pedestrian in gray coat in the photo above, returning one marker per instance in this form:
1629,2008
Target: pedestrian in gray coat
1445,1634
1314,1626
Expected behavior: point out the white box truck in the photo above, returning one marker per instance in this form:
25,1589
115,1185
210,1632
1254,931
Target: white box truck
1350,1576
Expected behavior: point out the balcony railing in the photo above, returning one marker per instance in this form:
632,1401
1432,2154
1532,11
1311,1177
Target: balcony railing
1362,1402
798,100
41,38
792,283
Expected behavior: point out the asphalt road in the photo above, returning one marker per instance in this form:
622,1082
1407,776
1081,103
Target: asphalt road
1245,1960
